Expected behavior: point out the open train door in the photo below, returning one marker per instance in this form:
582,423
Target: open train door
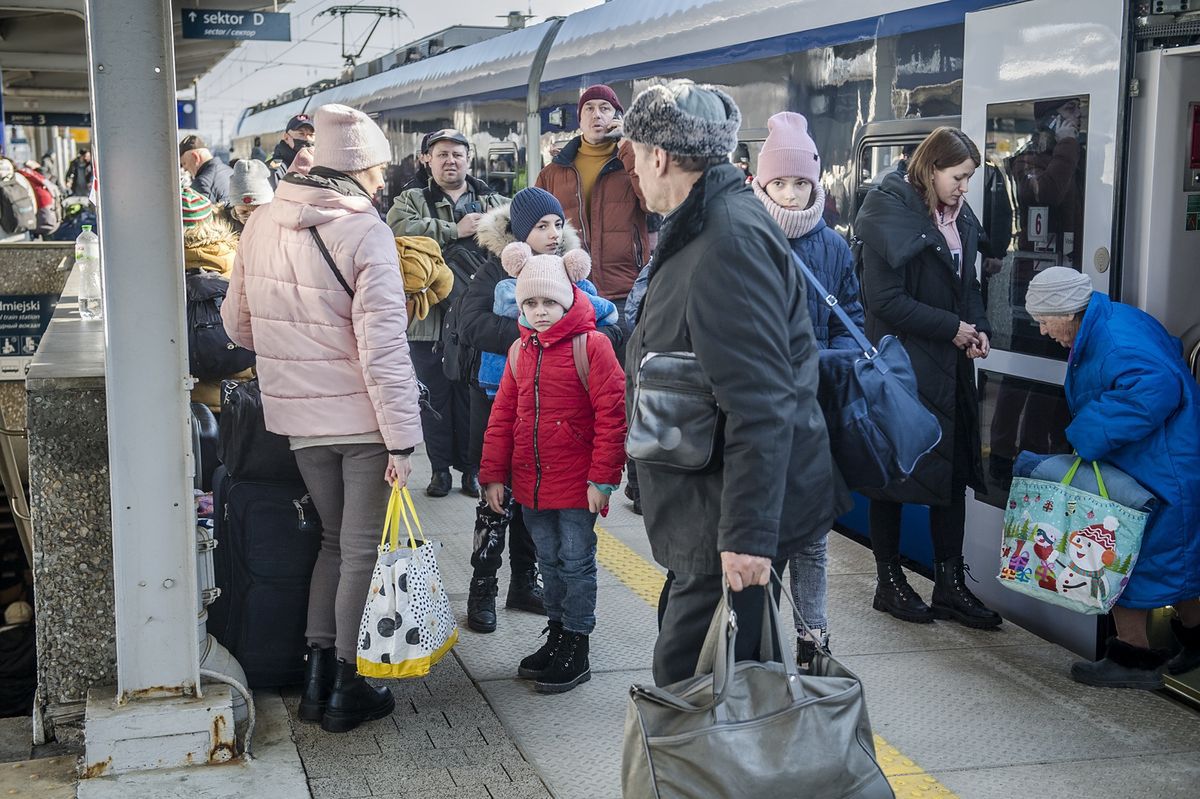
1044,98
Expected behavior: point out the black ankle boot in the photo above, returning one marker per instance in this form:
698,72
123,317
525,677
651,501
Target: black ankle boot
1123,666
524,593
569,666
470,483
1188,658
440,484
481,605
806,648
894,595
532,667
952,599
354,700
318,682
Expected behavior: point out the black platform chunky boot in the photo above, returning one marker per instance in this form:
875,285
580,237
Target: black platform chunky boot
524,593
481,605
535,665
1188,658
318,682
894,595
952,599
1123,666
354,700
569,666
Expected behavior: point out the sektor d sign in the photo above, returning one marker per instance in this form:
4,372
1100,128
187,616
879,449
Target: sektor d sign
212,23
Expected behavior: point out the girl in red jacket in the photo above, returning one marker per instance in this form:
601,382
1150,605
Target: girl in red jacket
561,438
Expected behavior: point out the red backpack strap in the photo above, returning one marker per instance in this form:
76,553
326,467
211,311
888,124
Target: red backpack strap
580,354
513,352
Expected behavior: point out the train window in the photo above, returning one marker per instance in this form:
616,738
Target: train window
501,167
1035,161
1017,414
879,160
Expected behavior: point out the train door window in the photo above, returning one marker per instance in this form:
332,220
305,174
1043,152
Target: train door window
876,160
1036,158
501,171
1017,414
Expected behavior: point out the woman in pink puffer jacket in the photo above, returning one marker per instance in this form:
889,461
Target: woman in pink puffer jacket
336,378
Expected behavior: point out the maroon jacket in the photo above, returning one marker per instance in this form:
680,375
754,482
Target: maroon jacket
614,233
545,430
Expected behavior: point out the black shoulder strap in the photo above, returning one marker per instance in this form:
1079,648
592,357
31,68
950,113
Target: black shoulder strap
329,260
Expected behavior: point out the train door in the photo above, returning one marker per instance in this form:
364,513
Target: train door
1043,97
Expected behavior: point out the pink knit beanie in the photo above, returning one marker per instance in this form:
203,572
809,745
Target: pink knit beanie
789,152
348,140
545,275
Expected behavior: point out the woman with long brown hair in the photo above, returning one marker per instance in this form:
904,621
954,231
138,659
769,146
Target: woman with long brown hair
920,239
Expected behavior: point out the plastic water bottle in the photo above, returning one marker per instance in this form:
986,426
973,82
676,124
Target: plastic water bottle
87,259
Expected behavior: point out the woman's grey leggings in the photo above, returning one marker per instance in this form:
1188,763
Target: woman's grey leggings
346,484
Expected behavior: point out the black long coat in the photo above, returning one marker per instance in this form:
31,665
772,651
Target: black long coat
914,292
724,287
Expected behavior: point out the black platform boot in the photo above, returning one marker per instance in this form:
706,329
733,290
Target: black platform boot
354,700
440,483
894,595
952,599
524,593
532,667
481,605
569,666
318,682
1123,666
1188,658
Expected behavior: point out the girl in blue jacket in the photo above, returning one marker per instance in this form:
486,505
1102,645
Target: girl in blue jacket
1134,404
789,184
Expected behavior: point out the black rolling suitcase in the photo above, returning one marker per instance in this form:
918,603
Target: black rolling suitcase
268,535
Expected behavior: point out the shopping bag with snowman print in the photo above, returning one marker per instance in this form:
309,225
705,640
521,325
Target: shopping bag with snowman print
407,623
1067,546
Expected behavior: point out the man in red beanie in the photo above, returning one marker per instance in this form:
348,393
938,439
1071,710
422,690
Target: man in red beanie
592,176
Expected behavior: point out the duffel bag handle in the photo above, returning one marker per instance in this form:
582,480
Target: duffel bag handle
1070,475
829,299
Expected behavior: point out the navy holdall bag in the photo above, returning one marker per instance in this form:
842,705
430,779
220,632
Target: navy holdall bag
878,427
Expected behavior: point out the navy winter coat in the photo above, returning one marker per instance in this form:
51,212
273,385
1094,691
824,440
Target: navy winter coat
828,256
1136,405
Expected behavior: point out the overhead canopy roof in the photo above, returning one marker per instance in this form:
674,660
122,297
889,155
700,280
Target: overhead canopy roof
43,51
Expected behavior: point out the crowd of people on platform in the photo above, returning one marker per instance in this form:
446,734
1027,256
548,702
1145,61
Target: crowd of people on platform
35,204
525,321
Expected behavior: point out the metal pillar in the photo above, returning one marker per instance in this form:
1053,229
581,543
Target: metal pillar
132,75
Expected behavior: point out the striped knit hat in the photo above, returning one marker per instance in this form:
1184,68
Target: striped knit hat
196,207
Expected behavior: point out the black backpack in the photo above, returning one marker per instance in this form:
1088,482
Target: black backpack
211,354
245,446
458,359
18,211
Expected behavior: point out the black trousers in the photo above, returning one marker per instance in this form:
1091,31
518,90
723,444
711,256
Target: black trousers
490,527
447,440
685,610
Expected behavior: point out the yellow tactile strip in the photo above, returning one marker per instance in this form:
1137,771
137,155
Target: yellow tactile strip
644,579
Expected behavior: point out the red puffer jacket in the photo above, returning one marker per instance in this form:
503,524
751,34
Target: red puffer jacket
545,431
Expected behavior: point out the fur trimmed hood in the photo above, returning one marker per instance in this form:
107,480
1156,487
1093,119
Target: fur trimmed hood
495,233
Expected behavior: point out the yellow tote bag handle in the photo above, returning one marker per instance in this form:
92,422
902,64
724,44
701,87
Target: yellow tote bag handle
407,510
391,522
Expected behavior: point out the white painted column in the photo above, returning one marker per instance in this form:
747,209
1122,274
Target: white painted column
132,76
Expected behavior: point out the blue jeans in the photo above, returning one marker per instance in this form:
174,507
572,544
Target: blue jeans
566,554
807,568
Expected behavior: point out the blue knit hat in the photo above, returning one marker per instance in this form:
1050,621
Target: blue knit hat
528,207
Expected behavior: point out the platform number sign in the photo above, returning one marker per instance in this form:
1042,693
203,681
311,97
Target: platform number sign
1037,229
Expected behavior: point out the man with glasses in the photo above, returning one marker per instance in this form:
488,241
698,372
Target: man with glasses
210,176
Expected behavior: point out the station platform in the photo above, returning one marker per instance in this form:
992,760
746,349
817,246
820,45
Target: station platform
956,712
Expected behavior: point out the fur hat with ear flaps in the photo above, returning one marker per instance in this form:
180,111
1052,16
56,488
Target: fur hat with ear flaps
546,276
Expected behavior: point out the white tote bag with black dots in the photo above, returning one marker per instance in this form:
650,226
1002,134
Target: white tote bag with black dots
407,624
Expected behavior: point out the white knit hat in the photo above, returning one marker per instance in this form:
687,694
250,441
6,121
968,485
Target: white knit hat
545,275
348,140
250,183
1058,291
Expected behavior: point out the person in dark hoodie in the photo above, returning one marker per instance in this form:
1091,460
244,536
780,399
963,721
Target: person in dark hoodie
299,135
920,240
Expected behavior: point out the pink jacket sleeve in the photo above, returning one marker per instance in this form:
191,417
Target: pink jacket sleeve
235,313
380,321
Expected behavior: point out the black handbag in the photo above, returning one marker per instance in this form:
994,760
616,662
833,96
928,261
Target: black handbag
878,427
676,423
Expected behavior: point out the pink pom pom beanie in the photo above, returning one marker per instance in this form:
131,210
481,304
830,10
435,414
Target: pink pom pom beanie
546,276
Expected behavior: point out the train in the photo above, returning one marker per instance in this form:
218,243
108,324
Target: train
873,77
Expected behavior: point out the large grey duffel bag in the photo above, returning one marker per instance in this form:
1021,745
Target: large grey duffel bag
751,729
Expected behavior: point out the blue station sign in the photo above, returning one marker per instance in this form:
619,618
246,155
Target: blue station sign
212,23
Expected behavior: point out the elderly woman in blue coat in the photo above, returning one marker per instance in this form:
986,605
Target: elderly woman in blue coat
1135,405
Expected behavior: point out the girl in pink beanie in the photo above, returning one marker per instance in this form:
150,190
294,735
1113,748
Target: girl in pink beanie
789,184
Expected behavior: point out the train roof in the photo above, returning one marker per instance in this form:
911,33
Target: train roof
616,40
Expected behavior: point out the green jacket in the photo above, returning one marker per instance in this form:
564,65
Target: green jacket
410,215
